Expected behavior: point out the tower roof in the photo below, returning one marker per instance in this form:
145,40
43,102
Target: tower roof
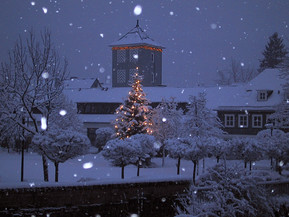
136,36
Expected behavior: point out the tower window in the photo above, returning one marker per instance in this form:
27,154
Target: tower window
120,56
133,55
120,76
131,73
153,57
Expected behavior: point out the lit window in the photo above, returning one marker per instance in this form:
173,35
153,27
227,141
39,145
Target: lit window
243,121
257,121
262,95
121,56
120,76
229,120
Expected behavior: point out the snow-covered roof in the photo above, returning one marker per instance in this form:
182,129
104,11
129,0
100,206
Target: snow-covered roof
136,36
269,79
218,98
76,83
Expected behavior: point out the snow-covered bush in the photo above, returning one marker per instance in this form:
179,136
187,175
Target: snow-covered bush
276,146
228,192
121,153
60,145
246,149
217,147
144,147
176,150
102,136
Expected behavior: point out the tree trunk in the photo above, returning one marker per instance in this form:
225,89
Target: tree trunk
194,172
178,166
245,164
271,162
197,167
138,166
163,157
203,171
278,167
218,160
56,171
250,164
22,162
45,168
122,171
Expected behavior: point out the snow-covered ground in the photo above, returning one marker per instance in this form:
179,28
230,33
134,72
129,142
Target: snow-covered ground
94,169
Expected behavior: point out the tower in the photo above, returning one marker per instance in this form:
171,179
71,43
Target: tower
136,51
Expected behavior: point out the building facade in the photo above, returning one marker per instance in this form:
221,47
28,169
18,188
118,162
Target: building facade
136,52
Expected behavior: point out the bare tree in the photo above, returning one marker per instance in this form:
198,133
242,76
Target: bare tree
31,81
237,73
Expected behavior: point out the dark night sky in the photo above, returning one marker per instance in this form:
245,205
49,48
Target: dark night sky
200,36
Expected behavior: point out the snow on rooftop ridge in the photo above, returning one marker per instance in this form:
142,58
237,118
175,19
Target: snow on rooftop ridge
136,36
269,79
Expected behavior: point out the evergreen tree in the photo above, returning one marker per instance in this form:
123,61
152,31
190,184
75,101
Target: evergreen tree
201,121
133,117
167,122
274,53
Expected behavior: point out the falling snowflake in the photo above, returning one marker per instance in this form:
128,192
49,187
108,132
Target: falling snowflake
101,70
134,215
163,199
45,75
224,58
79,159
62,112
183,90
45,10
135,56
171,13
75,175
197,8
43,123
164,119
195,191
101,35
213,26
87,165
137,10
242,64
32,184
183,169
32,3
281,163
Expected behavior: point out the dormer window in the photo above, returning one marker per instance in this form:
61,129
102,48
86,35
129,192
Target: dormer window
262,95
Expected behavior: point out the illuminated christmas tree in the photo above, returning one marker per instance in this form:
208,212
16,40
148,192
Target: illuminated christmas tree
133,116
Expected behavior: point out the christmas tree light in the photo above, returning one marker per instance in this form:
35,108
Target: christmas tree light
133,116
